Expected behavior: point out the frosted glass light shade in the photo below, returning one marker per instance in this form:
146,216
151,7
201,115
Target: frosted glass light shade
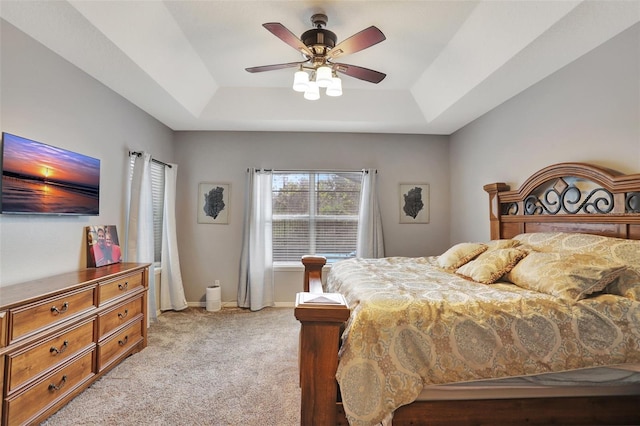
313,91
323,76
335,88
300,81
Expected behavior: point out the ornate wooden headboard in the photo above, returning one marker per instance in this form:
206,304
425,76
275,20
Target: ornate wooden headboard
568,197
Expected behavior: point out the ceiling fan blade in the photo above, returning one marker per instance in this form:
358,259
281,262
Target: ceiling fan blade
359,72
274,67
357,42
288,37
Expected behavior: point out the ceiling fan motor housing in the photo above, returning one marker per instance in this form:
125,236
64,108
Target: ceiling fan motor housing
319,39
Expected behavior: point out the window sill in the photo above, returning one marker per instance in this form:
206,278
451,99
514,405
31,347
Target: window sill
292,267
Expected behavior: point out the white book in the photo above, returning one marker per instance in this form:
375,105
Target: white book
323,298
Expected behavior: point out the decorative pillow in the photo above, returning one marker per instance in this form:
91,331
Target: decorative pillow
491,265
460,254
626,285
502,244
568,276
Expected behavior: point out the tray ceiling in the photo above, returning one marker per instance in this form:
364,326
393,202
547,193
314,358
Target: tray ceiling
447,62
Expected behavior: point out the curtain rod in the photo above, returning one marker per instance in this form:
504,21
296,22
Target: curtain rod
138,154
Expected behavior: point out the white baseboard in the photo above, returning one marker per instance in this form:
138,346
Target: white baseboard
235,304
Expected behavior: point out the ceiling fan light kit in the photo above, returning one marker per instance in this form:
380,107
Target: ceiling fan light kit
319,48
311,87
300,81
335,88
323,76
313,91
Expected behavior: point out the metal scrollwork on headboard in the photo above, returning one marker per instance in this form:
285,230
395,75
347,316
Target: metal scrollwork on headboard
569,200
632,202
569,195
510,209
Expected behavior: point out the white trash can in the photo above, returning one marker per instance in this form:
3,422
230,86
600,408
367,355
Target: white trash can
213,298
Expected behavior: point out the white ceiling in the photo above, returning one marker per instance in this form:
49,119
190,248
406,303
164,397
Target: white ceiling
447,62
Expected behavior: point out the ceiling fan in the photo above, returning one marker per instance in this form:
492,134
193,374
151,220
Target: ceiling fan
318,47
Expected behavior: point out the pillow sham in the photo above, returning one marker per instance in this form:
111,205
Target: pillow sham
491,265
626,285
460,254
618,250
568,276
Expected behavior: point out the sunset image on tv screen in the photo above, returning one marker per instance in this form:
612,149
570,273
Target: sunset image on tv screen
42,179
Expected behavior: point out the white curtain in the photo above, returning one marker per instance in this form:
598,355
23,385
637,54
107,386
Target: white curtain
370,243
171,288
255,288
139,230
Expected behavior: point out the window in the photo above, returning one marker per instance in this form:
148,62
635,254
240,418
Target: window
315,213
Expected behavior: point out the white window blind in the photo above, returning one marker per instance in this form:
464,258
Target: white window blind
157,189
315,213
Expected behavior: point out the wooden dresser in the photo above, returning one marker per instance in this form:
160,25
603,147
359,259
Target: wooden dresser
59,334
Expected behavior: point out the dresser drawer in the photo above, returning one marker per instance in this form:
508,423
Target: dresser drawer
111,349
24,406
118,288
26,364
32,318
118,316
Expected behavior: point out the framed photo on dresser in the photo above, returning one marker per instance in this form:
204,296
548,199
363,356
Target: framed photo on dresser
103,245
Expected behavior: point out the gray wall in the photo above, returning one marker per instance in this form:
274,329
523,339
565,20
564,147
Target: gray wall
209,252
589,111
45,98
65,107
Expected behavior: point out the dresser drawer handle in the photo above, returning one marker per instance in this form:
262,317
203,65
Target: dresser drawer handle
57,311
123,316
123,342
53,387
123,287
63,348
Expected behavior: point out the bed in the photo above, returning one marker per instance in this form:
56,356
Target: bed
568,215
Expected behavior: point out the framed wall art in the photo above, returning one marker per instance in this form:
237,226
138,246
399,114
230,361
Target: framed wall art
213,203
103,245
414,203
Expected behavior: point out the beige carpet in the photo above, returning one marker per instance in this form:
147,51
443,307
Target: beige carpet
231,367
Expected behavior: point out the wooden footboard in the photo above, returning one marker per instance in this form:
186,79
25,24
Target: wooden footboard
319,343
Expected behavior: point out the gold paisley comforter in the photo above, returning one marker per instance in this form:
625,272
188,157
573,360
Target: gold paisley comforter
413,324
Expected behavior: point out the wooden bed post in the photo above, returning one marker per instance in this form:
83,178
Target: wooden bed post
494,207
313,271
318,352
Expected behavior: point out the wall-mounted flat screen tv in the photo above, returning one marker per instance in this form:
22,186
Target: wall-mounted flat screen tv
41,179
